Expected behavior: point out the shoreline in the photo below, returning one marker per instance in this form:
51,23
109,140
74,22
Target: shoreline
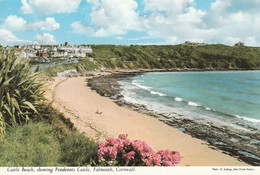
100,117
218,138
175,70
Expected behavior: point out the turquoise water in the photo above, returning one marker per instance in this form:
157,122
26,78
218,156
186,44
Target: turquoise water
224,98
222,107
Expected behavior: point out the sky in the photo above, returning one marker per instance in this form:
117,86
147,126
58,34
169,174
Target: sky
126,22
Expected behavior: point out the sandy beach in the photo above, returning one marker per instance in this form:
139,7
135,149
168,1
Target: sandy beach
99,117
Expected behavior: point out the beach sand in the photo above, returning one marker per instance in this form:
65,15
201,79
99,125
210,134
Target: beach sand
99,117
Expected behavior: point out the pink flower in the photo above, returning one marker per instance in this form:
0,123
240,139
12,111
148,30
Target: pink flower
129,156
167,157
143,148
148,162
161,152
115,150
110,141
122,136
112,152
176,157
101,144
147,150
157,159
168,163
102,152
126,142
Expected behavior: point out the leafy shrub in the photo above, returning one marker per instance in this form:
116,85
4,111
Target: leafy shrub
32,144
20,91
78,150
123,152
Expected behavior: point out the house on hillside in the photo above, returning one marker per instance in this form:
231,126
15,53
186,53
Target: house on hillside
42,54
68,50
240,44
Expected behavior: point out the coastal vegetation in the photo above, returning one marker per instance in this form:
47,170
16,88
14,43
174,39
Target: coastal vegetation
33,133
211,56
81,66
20,92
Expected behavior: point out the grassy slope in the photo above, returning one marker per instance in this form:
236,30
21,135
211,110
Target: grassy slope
178,56
50,141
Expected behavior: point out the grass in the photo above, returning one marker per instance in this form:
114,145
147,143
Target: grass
32,144
77,150
50,141
83,65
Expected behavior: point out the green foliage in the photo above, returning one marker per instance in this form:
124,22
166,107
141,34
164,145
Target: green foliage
52,142
57,119
77,150
213,56
83,65
32,144
20,91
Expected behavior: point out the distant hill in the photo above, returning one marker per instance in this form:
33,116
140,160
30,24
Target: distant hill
213,56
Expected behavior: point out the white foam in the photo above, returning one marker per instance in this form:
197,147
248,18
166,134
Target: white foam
248,119
193,104
208,109
157,93
178,99
141,86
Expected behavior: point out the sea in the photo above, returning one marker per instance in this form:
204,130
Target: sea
221,107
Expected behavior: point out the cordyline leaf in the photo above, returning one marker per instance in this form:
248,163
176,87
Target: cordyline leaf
15,103
6,83
20,89
8,98
17,93
8,109
31,106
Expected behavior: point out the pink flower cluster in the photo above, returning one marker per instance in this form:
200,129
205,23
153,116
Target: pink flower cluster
112,147
138,152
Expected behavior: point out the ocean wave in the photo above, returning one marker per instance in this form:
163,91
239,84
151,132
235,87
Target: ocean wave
157,93
147,88
208,109
178,99
193,104
248,119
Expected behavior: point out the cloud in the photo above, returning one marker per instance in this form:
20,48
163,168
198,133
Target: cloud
48,24
233,21
227,21
119,38
14,23
46,39
110,17
8,38
251,41
78,27
45,7
169,6
6,35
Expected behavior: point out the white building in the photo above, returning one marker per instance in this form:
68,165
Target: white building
74,51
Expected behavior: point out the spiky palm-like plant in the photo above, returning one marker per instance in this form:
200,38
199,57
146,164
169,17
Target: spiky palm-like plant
20,91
